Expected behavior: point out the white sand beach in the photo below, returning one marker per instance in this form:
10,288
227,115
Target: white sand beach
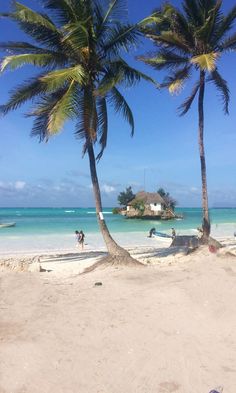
166,327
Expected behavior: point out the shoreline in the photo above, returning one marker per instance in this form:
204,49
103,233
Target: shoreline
59,243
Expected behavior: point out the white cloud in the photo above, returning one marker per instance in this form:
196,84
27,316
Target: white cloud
57,188
11,187
194,189
107,188
19,185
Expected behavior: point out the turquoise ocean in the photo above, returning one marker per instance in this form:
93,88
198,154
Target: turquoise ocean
51,221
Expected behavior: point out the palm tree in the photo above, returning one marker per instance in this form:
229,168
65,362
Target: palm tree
78,45
193,40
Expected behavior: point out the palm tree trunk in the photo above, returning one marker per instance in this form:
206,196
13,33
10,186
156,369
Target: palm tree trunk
206,220
113,248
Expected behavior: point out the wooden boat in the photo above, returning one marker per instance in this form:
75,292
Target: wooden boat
7,224
161,234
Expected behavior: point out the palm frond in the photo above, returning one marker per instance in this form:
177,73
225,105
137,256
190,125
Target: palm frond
62,111
158,21
102,125
206,61
164,59
222,86
41,114
53,111
110,80
26,91
121,37
193,12
15,47
175,82
120,105
57,79
180,25
228,44
206,30
76,35
186,105
119,72
38,59
37,25
85,126
25,14
226,24
207,6
65,11
155,18
171,40
117,10
39,128
131,75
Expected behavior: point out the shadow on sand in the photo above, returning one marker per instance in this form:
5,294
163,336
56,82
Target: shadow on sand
71,257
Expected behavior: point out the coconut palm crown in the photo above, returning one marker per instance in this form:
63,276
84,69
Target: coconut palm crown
188,41
77,45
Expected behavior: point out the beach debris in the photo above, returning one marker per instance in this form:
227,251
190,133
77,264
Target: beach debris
192,242
98,283
212,248
219,389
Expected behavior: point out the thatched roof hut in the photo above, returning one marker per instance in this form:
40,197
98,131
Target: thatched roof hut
148,198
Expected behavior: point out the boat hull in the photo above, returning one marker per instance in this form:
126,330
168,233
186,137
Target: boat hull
161,234
7,225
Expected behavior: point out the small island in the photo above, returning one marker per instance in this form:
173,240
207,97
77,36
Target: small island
147,205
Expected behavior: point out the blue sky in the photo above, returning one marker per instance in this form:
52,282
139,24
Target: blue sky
163,152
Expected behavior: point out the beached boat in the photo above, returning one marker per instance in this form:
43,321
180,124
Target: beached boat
161,234
7,224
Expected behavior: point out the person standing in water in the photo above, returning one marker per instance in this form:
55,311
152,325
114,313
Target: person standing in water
152,231
81,239
77,235
173,233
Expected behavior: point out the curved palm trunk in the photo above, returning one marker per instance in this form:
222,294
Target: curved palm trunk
206,220
113,248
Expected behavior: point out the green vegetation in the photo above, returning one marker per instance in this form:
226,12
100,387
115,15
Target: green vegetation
115,210
139,205
171,202
126,196
78,47
193,40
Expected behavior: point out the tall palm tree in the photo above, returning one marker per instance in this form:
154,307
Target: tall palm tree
78,45
193,40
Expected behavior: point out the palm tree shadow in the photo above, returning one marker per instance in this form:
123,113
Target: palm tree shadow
72,257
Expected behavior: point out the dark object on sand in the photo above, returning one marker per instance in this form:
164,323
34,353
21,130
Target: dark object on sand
185,241
97,284
194,242
217,390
